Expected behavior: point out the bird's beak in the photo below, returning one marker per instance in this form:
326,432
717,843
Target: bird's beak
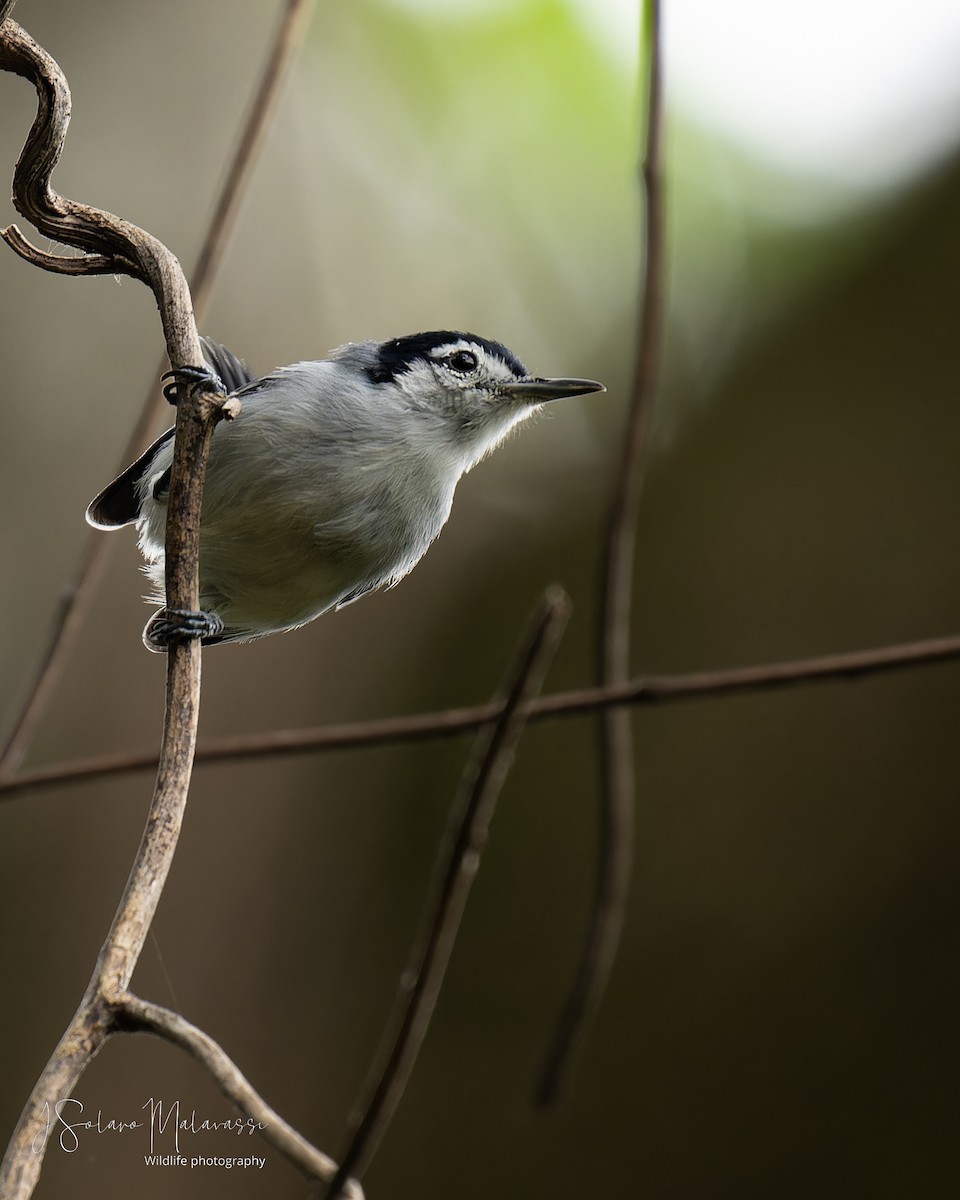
536,391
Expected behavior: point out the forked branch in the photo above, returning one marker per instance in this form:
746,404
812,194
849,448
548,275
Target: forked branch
136,1015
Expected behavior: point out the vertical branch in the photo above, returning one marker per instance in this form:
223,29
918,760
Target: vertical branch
616,741
72,610
458,864
110,243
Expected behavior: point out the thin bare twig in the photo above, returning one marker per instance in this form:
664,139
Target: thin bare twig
74,603
135,1015
615,858
458,863
291,30
136,253
653,689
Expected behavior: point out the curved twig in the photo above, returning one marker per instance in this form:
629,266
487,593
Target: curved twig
62,264
458,863
134,1015
131,250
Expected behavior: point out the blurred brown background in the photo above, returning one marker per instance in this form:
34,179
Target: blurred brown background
781,1021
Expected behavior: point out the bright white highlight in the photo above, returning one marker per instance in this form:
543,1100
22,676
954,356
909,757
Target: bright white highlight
860,92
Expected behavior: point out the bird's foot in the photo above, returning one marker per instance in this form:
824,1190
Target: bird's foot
191,379
169,625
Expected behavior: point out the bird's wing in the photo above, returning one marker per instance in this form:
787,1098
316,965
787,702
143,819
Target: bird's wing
233,371
119,502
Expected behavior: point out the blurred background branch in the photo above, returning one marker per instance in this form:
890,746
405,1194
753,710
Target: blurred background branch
454,721
455,871
617,773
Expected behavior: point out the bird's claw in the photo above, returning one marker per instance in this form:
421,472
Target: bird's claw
191,379
169,625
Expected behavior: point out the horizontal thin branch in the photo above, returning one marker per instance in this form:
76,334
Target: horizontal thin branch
133,1014
653,689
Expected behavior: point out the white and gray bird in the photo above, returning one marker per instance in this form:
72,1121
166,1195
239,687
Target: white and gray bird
333,480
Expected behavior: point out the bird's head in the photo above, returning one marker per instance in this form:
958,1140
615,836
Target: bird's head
471,389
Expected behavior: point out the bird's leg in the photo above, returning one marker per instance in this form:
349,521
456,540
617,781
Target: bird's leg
179,624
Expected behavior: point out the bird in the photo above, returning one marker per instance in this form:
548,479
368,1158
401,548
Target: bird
333,480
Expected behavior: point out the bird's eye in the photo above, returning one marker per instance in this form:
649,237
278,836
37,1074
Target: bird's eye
462,361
